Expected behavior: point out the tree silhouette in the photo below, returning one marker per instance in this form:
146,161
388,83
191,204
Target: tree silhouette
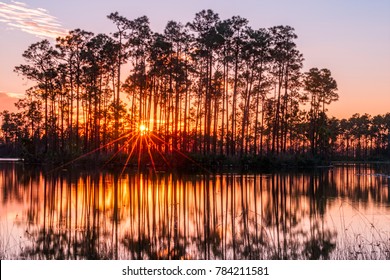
210,89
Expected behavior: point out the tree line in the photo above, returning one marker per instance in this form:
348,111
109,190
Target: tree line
210,88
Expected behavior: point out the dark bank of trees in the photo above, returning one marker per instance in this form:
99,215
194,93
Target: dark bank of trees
210,88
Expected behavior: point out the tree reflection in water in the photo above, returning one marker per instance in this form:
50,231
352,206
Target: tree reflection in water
99,215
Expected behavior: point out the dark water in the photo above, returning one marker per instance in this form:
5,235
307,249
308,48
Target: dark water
334,213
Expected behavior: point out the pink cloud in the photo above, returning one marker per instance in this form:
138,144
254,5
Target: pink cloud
7,101
36,21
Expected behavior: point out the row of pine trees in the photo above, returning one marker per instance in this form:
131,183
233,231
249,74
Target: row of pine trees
209,87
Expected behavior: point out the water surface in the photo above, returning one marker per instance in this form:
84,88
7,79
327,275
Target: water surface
332,213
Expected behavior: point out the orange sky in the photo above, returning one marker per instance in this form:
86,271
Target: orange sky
7,102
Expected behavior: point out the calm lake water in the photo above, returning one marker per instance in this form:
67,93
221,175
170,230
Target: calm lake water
341,212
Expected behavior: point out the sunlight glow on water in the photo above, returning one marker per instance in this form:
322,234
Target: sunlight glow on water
323,214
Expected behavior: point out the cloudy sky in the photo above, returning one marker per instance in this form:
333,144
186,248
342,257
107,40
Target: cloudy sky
349,37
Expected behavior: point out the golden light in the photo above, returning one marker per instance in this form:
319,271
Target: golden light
142,129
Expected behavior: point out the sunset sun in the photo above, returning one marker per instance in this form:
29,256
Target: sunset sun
143,129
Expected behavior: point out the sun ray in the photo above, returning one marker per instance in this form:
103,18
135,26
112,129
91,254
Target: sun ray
139,158
151,157
182,154
89,153
141,139
130,154
161,154
119,150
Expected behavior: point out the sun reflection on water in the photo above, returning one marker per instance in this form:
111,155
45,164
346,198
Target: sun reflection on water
166,216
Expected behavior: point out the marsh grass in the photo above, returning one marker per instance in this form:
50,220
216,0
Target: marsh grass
349,246
5,238
352,244
12,245
355,246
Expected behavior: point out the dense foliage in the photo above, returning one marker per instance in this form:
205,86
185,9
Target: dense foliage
209,88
